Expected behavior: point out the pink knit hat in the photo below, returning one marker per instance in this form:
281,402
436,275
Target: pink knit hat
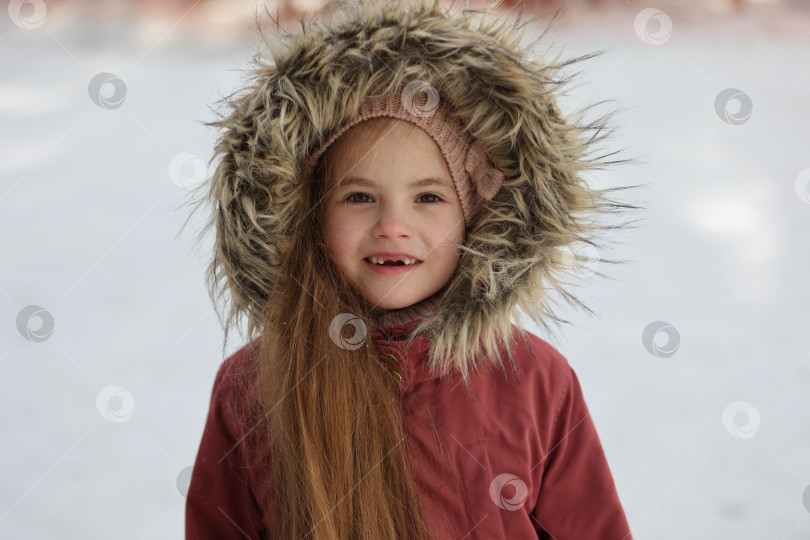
475,177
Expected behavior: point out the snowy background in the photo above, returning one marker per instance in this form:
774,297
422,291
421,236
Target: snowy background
105,382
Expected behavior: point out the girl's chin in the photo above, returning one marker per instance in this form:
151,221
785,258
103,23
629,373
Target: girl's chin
388,302
393,305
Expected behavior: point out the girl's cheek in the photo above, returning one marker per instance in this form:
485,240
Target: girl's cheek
341,229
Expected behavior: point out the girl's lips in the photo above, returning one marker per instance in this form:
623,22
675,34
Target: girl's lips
391,269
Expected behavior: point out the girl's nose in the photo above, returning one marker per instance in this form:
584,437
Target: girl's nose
393,222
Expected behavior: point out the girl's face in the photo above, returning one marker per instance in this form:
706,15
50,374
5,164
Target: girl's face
389,190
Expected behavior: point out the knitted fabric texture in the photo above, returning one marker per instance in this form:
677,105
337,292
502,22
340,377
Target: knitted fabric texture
475,178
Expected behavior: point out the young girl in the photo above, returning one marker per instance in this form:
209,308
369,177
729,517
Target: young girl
392,187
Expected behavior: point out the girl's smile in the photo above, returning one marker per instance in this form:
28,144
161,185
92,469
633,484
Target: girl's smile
392,269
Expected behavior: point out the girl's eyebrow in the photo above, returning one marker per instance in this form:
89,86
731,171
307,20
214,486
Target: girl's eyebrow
422,183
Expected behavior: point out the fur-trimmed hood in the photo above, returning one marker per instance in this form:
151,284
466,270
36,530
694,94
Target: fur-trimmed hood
305,85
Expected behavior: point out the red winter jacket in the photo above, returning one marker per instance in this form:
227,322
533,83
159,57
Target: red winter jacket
529,456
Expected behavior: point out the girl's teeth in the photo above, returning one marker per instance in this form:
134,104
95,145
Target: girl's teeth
377,260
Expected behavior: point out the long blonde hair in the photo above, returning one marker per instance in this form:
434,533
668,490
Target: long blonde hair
337,452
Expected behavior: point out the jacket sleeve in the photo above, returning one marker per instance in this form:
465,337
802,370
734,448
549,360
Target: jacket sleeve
578,498
220,503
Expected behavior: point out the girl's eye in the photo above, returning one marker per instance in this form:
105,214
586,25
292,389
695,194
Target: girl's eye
438,199
355,194
350,197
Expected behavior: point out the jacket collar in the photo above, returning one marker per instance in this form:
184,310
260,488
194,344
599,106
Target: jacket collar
410,353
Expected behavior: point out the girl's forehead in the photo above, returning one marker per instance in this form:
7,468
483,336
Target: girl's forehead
391,130
385,144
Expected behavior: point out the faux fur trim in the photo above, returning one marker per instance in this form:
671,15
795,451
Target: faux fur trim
304,85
